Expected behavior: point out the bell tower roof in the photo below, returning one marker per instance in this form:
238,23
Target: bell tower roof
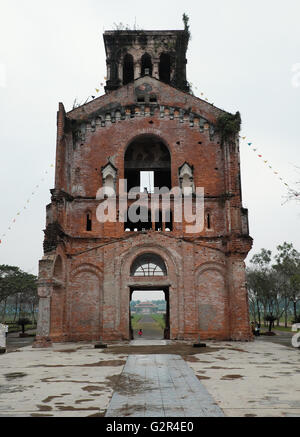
131,54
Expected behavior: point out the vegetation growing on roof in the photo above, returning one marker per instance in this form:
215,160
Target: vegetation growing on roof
228,125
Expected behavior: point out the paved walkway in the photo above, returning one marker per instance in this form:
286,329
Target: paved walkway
160,386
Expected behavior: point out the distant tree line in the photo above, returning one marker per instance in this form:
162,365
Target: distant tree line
18,295
274,286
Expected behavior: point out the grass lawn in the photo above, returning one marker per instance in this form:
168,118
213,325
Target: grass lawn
135,318
159,318
282,328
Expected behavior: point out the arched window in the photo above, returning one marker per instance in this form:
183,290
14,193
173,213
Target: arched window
146,64
148,264
165,68
113,71
128,69
88,222
208,220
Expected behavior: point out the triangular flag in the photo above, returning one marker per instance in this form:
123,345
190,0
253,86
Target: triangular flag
260,156
249,144
97,90
265,162
51,165
244,138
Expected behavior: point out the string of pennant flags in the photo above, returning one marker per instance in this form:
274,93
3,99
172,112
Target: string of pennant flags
26,206
256,150
266,162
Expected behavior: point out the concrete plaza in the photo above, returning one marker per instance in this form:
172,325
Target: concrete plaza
259,378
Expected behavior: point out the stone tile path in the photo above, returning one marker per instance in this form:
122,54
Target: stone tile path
160,386
143,342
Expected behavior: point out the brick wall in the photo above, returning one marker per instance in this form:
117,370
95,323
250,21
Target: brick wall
206,272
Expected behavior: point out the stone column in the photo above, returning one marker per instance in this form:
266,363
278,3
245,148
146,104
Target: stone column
155,71
120,72
137,70
42,339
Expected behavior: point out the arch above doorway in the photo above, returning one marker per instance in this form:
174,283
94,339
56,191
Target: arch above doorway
148,264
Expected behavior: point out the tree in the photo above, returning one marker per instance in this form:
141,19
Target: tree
8,284
265,288
23,322
260,283
288,264
20,286
270,319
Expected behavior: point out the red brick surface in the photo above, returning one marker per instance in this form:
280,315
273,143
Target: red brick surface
90,291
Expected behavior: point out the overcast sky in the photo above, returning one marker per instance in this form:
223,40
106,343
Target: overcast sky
241,56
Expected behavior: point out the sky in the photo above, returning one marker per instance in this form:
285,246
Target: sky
244,56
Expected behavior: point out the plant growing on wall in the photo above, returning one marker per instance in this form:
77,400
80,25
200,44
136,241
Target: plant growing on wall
228,125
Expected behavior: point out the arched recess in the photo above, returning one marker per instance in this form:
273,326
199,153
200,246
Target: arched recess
147,153
58,269
128,69
165,67
85,303
173,263
146,64
211,300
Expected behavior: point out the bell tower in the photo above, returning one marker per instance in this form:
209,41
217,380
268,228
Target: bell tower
131,54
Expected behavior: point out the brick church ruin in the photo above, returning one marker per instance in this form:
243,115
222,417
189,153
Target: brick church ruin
147,124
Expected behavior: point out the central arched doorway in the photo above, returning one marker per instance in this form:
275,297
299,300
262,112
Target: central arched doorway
150,315
147,163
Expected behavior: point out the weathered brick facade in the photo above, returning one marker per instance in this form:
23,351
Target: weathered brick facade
85,279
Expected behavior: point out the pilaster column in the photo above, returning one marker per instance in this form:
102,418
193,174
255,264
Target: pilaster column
155,71
43,327
238,299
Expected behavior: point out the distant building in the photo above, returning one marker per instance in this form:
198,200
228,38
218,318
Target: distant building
146,308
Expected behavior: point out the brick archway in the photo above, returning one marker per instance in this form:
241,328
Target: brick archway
212,307
85,303
167,282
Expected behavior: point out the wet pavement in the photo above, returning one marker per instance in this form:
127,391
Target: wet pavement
160,386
